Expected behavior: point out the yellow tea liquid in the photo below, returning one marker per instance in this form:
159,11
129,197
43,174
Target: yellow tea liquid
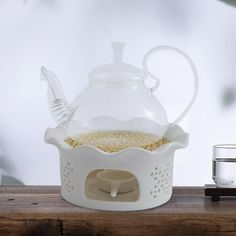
114,141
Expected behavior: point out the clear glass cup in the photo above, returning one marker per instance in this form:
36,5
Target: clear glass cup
224,165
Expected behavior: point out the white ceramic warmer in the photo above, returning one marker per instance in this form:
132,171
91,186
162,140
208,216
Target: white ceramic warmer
153,170
116,99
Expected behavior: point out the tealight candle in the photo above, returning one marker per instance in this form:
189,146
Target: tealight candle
115,181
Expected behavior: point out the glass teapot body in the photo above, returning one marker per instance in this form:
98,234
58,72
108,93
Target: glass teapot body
116,99
106,106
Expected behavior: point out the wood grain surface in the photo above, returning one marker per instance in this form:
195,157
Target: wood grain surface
40,210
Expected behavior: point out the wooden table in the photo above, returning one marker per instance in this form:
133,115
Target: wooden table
40,210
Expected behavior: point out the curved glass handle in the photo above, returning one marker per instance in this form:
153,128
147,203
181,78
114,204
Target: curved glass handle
194,70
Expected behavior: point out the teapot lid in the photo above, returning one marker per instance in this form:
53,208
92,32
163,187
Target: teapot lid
117,71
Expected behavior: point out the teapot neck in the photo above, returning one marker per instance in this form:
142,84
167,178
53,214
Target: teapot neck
117,82
118,71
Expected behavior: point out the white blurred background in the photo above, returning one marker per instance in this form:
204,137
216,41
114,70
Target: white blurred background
72,37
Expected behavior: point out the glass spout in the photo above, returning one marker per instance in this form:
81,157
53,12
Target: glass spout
59,107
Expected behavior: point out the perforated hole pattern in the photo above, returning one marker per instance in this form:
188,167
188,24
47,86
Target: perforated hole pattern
66,171
161,179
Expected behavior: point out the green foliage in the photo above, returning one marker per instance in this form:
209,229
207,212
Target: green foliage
231,2
9,180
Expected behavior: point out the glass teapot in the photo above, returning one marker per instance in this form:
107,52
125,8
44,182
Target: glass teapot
116,98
